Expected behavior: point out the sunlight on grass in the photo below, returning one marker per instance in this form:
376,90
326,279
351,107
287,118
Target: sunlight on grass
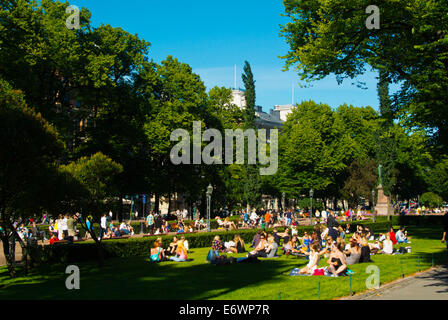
137,278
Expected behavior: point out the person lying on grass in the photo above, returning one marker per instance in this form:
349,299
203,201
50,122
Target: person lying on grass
230,224
337,265
313,263
181,252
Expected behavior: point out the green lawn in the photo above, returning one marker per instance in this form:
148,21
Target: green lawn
137,278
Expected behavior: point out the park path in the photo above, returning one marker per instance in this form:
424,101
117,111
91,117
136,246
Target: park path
428,285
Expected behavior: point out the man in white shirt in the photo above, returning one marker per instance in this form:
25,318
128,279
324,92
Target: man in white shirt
64,226
124,228
401,236
103,225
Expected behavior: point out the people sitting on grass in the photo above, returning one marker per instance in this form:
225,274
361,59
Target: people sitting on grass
126,228
238,245
365,250
291,247
337,265
217,245
117,233
199,224
181,252
388,245
230,224
306,242
260,249
314,256
354,253
173,246
185,242
369,234
341,232
402,236
271,248
347,228
156,253
392,236
281,236
180,227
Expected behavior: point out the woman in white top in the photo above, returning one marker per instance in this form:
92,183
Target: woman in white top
313,264
388,246
294,231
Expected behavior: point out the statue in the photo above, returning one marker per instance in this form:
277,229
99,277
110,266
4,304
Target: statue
379,174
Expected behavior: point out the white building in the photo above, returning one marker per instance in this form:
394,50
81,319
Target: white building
284,110
238,98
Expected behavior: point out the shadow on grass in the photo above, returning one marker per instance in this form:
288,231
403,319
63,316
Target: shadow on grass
137,278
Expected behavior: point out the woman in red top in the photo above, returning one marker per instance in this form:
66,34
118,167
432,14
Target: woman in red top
392,236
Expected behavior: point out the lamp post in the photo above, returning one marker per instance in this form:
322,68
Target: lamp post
311,213
373,205
209,199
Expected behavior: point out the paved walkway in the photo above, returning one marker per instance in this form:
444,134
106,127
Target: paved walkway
429,285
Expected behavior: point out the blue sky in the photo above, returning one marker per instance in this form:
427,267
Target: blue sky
213,36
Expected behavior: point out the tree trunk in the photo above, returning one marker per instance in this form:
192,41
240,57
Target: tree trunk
169,203
120,209
10,263
156,204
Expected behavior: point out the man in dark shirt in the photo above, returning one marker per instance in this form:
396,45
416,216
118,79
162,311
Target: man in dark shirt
331,225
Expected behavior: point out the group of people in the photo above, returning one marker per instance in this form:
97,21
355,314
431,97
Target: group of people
358,249
176,251
63,228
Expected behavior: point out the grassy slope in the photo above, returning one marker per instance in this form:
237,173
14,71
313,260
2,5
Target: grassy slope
136,278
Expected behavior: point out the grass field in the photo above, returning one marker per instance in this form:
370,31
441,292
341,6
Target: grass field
137,278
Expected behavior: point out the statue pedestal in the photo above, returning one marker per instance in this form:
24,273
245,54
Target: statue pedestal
383,207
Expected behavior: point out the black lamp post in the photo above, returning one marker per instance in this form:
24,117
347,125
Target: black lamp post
209,199
311,213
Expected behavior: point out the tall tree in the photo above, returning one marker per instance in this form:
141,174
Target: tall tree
252,184
29,148
330,36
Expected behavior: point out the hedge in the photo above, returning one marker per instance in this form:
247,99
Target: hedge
134,224
86,251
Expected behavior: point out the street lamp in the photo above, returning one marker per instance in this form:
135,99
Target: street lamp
373,205
311,213
209,199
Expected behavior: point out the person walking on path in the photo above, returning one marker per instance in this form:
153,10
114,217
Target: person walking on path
150,222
